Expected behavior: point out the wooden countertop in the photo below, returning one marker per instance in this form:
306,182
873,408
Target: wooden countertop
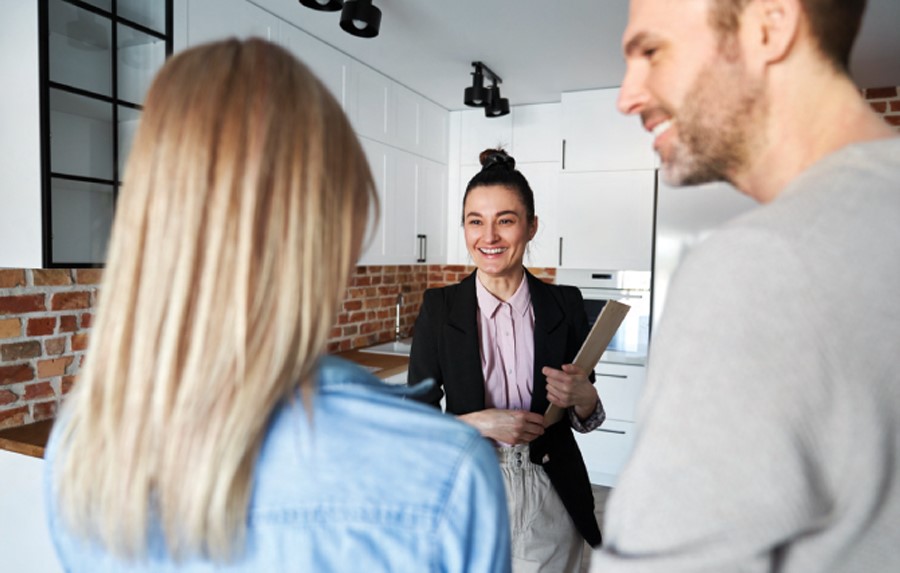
29,439
32,438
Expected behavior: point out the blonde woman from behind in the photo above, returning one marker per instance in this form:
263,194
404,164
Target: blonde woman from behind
207,431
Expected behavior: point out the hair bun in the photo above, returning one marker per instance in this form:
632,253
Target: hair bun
496,157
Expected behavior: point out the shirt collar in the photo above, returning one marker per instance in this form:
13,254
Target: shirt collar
520,301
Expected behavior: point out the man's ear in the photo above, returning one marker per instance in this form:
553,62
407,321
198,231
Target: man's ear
770,28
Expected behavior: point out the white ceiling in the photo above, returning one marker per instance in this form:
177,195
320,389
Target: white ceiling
540,48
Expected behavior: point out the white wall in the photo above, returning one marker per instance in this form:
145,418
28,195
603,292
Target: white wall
20,183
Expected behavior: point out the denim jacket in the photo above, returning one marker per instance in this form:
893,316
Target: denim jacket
370,483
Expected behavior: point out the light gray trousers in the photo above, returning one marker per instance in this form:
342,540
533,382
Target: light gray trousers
544,537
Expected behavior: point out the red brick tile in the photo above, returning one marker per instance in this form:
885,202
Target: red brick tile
881,93
68,323
14,373
11,278
41,326
10,328
88,276
51,277
53,367
8,397
39,390
70,300
20,350
44,410
54,346
13,417
21,304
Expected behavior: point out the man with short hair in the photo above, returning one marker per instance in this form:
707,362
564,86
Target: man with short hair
769,430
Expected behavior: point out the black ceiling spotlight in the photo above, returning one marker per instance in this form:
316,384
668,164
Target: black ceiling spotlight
475,95
360,18
488,98
324,5
495,106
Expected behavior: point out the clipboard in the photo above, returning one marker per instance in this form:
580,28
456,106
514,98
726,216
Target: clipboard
611,316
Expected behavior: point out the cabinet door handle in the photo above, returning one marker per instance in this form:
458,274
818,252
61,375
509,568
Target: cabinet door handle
608,431
560,251
564,154
423,247
620,376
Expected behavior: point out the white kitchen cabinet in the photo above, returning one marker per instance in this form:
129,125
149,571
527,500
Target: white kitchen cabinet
608,219
606,449
479,133
598,137
210,20
404,104
543,250
412,196
433,131
619,386
329,65
431,211
375,249
536,133
372,100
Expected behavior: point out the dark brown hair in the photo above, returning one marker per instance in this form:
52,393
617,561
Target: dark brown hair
833,24
499,168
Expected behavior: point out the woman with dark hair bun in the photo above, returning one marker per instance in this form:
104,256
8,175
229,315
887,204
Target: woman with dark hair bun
499,345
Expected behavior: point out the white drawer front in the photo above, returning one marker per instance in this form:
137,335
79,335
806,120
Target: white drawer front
620,387
606,450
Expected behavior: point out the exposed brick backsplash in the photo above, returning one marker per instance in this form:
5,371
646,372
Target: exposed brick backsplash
46,314
885,102
44,319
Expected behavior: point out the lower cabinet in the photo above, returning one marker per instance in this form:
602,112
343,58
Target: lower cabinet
606,449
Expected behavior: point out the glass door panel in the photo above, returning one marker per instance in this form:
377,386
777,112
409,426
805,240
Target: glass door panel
82,215
140,56
149,14
128,123
81,136
80,48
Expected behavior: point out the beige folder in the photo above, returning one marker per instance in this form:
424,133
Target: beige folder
594,346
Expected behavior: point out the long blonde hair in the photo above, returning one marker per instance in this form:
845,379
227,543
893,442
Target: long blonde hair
242,212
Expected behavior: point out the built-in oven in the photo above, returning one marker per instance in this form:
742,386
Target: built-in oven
629,344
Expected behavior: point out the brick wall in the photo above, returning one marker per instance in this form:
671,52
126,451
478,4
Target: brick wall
45,318
886,102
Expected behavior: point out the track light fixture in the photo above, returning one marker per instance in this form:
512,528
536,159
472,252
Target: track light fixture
358,17
488,98
324,5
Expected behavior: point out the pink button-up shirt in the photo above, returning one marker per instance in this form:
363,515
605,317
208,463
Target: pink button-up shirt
506,337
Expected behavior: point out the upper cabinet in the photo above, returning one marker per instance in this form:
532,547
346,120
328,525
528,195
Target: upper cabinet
597,137
608,220
85,69
478,133
411,227
536,132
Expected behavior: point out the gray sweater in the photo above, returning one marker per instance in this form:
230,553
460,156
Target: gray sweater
769,431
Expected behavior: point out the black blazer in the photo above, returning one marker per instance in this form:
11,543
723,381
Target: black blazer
445,347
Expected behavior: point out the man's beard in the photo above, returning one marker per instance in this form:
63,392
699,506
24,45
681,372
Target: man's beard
716,126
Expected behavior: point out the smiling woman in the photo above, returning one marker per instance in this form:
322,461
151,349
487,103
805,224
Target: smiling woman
500,344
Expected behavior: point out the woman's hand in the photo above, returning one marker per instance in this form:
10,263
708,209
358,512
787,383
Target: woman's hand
570,387
507,426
